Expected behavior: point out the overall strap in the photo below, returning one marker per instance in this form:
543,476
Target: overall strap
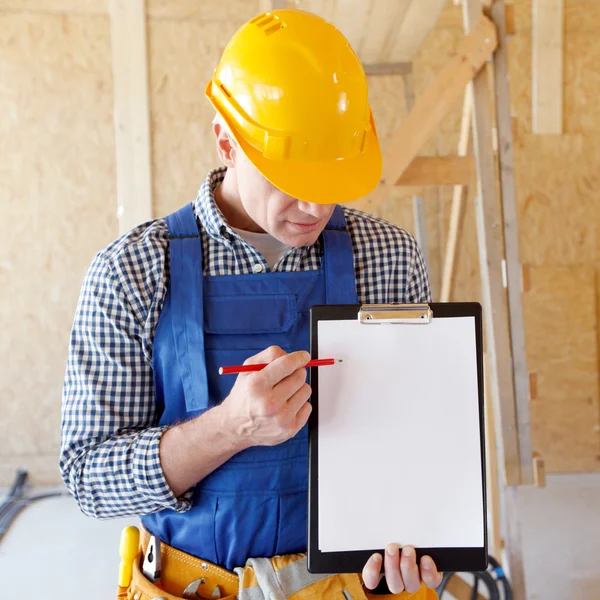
338,261
186,289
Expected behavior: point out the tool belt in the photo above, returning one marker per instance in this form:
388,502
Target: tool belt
277,578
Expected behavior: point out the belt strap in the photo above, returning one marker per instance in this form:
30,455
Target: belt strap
274,578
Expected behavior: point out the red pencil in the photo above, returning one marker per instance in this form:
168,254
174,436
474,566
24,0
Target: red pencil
317,362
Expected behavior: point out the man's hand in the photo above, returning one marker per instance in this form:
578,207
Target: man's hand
268,407
401,573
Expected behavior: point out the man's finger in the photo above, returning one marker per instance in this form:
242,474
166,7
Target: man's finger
268,355
299,399
284,366
393,576
431,577
289,385
409,569
302,416
371,574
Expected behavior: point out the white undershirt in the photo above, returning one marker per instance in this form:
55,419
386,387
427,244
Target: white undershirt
271,248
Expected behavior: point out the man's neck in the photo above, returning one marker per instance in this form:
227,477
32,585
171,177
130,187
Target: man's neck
227,198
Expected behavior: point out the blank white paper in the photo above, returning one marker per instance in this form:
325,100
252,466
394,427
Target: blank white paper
399,436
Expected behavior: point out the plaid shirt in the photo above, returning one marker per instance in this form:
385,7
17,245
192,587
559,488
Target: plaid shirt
110,438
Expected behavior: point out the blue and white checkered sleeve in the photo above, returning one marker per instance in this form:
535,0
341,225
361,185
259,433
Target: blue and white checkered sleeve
417,284
110,442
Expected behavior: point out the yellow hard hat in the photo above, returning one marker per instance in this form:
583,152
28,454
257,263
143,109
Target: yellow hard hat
295,97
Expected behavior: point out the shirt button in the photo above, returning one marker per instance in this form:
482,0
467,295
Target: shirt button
257,268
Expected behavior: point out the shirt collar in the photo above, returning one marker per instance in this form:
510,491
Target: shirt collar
205,207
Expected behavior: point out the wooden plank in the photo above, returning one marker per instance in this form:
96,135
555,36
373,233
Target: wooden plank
131,116
489,234
420,18
495,309
547,55
491,465
418,204
430,109
388,68
512,547
458,197
511,242
439,170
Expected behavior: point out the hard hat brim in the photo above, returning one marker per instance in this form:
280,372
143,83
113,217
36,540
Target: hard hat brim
332,182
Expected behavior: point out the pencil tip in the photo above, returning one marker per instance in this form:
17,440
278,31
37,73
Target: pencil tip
220,370
340,360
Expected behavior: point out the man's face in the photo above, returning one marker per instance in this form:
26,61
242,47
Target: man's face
291,221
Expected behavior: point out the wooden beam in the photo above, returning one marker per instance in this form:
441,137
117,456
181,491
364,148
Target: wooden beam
388,68
131,112
457,208
491,255
419,20
491,467
511,242
439,170
495,311
514,554
419,216
430,109
547,56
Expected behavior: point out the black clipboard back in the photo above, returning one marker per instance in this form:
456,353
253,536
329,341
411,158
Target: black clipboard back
446,558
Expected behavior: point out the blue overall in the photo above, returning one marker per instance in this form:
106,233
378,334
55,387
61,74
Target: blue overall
255,504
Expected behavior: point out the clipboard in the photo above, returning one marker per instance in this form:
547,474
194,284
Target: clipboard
396,435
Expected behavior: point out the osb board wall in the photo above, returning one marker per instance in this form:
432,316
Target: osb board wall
58,194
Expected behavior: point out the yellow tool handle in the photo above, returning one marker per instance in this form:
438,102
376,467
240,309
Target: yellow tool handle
128,550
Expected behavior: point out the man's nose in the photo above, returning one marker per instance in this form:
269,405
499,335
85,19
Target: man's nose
318,211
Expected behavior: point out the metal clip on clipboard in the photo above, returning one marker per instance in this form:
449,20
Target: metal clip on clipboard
410,314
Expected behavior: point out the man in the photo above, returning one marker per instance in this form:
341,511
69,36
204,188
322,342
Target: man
218,465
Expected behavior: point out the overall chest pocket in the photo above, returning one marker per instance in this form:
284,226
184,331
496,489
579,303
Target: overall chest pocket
249,315
238,327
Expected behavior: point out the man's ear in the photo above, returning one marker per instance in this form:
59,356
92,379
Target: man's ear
226,147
